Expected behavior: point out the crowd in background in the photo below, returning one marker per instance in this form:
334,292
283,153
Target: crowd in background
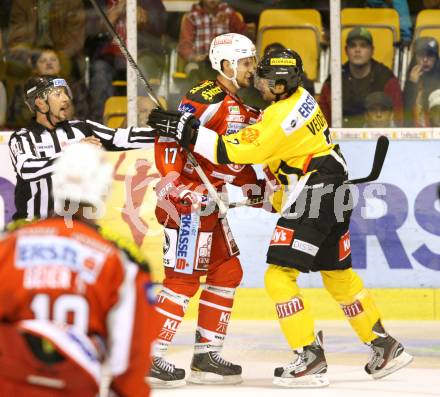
67,38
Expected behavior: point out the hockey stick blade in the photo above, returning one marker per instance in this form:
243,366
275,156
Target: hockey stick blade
379,158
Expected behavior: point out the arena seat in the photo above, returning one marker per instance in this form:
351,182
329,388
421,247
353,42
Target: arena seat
428,24
115,111
384,26
299,30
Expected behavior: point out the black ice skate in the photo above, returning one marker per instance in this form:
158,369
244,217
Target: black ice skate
210,368
308,370
165,375
387,354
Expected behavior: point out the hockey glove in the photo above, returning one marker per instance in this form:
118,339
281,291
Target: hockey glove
180,126
173,196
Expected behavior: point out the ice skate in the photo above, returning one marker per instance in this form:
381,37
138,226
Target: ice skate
387,354
211,368
307,371
164,375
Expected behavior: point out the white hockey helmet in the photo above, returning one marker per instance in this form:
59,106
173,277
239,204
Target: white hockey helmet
81,175
230,47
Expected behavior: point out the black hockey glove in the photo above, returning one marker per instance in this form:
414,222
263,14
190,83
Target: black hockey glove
180,126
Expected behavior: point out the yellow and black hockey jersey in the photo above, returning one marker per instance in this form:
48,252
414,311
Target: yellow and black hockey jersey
291,138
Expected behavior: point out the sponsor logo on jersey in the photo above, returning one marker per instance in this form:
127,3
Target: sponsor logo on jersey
234,109
169,329
236,117
233,128
186,243
206,83
208,95
283,62
223,322
344,246
186,107
249,135
282,236
37,251
305,247
307,107
204,245
287,309
353,309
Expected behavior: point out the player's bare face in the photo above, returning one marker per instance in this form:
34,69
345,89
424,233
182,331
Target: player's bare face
60,105
359,52
245,71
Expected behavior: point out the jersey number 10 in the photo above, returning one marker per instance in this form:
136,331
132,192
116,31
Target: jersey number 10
61,307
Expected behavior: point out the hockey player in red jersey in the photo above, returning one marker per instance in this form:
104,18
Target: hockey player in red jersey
212,251
73,294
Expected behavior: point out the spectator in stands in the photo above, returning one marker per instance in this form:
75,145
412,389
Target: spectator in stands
108,63
402,8
361,75
434,108
35,24
206,20
379,111
46,62
423,77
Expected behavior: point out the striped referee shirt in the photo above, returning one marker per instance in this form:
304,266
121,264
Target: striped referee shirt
33,151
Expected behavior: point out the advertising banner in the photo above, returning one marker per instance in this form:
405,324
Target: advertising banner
395,228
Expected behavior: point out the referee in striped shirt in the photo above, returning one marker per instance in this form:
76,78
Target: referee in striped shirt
33,150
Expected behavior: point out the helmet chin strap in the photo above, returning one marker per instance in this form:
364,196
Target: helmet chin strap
47,114
233,79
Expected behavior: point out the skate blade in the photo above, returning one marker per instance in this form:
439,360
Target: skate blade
164,384
306,381
209,378
394,365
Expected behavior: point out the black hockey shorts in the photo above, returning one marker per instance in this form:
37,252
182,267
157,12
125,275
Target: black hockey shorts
314,234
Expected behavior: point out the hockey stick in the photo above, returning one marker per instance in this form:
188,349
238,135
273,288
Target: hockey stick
378,161
211,189
379,158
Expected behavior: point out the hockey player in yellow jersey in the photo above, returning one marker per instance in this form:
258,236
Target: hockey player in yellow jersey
292,140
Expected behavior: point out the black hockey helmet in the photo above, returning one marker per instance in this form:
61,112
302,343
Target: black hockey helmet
40,86
283,66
